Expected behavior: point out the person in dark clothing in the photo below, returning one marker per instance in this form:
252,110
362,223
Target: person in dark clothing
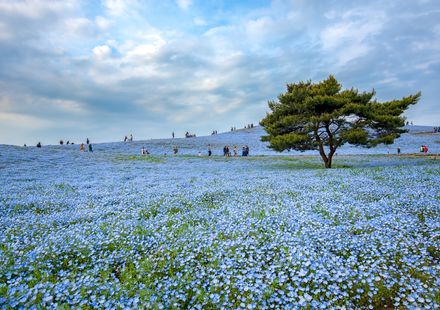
87,141
245,151
39,144
90,148
228,151
209,150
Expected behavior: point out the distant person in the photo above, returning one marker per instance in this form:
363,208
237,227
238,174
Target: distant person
125,139
25,145
199,154
235,151
209,150
90,148
82,147
246,150
425,149
243,151
398,150
87,141
422,148
68,142
172,134
61,142
131,138
175,150
39,144
143,151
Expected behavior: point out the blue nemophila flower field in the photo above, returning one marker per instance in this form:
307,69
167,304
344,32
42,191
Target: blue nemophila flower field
114,229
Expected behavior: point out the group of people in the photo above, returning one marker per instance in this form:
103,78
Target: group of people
61,142
67,142
227,151
128,138
189,135
82,147
248,126
437,129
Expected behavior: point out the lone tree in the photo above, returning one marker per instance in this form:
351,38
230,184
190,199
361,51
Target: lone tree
323,117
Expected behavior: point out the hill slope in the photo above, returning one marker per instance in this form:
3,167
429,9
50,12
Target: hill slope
409,143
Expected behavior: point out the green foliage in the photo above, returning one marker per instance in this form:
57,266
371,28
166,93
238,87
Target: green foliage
314,116
146,158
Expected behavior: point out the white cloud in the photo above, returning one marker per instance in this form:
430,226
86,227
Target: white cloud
102,22
79,26
35,9
199,21
23,120
119,7
260,26
149,48
184,4
69,106
350,38
101,51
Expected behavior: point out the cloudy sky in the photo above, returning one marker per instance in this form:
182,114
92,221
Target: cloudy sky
73,69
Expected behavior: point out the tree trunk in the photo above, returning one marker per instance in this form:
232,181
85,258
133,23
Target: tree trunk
328,164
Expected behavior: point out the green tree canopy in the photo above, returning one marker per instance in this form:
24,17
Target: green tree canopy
323,117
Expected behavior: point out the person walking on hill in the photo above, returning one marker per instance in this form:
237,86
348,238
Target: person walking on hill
87,141
209,150
398,150
90,148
